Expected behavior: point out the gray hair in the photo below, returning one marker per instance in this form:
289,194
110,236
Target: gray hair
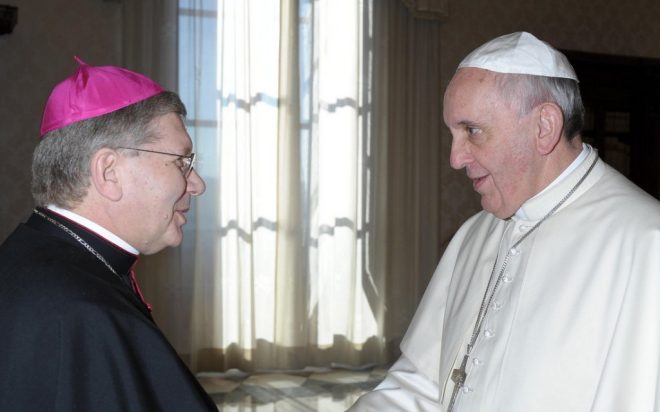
530,91
61,161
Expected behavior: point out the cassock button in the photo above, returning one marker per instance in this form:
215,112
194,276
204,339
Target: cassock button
477,361
497,305
507,279
466,389
514,251
489,333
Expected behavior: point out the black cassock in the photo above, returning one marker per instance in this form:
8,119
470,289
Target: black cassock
75,337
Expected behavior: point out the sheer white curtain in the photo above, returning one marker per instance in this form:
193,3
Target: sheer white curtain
322,220
285,251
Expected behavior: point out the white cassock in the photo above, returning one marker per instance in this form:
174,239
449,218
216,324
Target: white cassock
574,324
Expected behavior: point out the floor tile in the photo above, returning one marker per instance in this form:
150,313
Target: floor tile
331,391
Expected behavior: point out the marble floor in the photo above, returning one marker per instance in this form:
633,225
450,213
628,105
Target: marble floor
331,390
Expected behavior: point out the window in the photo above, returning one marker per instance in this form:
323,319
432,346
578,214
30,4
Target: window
278,94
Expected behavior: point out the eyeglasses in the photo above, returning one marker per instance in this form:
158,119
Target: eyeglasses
184,162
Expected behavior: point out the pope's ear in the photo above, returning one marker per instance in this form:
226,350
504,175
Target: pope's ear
551,126
105,175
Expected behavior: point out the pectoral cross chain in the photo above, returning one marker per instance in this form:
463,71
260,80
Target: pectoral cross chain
458,376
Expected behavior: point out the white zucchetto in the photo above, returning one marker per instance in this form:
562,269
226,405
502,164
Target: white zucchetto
520,53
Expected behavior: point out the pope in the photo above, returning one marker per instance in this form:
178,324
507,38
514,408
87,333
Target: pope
549,298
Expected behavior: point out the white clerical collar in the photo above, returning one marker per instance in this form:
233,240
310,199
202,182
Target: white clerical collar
94,227
520,213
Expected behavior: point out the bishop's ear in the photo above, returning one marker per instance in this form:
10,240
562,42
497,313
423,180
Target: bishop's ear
105,175
551,126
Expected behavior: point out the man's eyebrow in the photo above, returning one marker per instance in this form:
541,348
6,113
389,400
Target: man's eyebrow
187,149
467,123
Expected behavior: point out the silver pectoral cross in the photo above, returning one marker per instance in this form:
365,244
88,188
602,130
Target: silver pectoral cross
458,376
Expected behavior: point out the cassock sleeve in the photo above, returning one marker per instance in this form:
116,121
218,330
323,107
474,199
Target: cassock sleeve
88,356
408,385
403,389
112,359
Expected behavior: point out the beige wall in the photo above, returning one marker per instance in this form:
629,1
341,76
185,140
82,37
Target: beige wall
37,55
628,28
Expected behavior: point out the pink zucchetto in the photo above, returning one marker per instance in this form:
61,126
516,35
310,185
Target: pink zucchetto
94,91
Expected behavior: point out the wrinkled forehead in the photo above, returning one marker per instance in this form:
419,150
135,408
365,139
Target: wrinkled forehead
475,93
472,84
470,78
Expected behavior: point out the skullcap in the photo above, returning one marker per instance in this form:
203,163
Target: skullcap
93,91
520,53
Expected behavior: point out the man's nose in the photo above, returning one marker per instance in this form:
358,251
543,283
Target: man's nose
196,185
460,155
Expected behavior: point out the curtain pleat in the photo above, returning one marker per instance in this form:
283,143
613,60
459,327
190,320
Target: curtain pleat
409,98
